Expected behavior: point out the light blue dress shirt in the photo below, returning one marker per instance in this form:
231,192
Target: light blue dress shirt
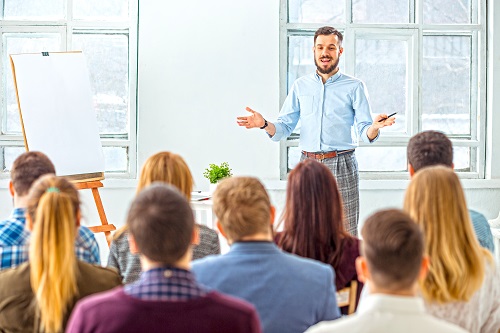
332,115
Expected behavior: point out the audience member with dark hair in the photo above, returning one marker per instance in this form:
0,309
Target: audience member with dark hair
314,226
171,169
38,296
289,292
14,236
430,148
391,264
462,286
167,297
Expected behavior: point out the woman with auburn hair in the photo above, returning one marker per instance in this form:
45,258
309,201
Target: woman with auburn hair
39,295
313,223
462,285
168,168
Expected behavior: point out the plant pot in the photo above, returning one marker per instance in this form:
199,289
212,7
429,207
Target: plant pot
212,187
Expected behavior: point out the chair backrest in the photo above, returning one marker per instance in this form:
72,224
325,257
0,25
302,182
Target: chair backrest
495,231
347,297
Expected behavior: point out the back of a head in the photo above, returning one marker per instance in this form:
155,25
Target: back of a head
169,168
393,246
161,221
53,206
429,148
436,201
313,214
242,206
27,168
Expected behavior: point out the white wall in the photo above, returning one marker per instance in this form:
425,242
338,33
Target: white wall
200,64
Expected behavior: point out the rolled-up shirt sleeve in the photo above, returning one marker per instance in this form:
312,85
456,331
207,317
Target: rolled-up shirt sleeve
362,112
288,117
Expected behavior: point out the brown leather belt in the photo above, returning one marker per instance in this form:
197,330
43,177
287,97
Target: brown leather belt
330,154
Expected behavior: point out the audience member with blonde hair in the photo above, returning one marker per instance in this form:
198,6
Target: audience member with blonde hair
392,263
169,168
290,293
462,286
38,295
430,148
314,225
14,236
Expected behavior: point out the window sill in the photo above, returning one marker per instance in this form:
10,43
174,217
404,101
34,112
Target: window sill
399,184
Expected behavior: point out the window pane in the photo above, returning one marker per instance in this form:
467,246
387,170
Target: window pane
380,11
316,11
301,58
34,9
447,11
461,158
446,84
21,43
293,157
107,57
9,155
98,9
115,159
381,158
381,64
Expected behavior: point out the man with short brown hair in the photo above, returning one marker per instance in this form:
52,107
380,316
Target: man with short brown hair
167,297
289,292
430,148
14,237
391,265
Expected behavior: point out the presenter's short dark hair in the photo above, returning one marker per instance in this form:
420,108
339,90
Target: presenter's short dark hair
393,246
161,221
429,148
328,31
27,168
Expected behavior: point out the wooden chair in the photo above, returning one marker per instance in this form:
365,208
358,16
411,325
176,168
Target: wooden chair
347,297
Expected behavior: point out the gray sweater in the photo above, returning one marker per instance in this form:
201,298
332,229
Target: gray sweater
129,265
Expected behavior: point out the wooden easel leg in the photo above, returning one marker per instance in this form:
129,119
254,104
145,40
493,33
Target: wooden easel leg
102,216
104,227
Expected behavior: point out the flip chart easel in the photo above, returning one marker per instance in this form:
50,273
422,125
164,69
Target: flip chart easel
57,118
104,227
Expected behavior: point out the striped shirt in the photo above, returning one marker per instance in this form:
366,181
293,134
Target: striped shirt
14,242
165,284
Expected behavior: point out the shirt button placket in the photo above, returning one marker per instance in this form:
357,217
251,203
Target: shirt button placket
321,105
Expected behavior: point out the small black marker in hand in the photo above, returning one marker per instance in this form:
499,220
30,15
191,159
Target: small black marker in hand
389,116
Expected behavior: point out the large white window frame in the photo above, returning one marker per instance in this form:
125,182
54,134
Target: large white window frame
66,28
413,33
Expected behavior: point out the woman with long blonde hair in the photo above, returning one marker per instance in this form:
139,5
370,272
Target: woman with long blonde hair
462,286
40,294
169,168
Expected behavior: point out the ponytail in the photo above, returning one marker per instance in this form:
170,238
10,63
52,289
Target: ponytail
53,264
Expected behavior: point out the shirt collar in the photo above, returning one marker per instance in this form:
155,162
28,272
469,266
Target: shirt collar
332,78
168,272
19,214
264,246
165,284
391,303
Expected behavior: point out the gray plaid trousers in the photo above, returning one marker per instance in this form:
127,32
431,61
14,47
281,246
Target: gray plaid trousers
345,169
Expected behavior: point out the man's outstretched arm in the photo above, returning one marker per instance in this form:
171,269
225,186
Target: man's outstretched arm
255,120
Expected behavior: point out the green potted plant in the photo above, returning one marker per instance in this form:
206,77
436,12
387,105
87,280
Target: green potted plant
214,173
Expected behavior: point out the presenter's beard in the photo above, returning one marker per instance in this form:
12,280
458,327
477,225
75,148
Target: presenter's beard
329,69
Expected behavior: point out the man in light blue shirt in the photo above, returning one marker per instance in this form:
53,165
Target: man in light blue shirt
334,110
